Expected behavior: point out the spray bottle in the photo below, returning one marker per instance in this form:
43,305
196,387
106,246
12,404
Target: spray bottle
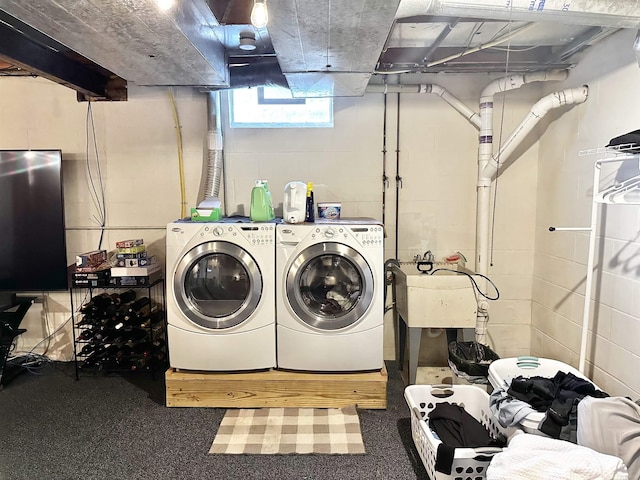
310,215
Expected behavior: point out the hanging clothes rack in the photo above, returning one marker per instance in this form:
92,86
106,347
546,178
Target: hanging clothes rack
624,192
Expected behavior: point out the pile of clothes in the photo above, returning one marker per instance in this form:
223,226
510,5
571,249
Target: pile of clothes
584,433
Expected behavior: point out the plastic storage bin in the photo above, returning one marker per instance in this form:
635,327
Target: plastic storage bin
468,463
502,371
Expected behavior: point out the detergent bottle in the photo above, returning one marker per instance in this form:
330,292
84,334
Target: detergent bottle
310,214
260,209
294,205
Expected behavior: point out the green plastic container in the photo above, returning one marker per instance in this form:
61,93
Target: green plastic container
261,209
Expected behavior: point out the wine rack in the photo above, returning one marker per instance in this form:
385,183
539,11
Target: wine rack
119,329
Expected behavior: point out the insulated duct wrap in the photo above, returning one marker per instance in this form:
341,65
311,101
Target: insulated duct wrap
604,13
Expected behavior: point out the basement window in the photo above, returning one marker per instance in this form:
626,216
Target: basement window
275,107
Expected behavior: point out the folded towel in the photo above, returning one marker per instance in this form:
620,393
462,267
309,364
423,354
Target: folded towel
533,457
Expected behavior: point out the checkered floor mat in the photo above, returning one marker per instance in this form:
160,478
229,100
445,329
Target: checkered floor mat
334,431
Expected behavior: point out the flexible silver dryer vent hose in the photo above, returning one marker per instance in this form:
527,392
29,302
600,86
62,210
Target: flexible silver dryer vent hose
215,154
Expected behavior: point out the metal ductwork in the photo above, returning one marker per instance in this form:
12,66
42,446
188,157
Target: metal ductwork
135,40
328,48
266,73
608,13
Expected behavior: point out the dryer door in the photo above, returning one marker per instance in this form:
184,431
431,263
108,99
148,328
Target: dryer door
217,285
329,286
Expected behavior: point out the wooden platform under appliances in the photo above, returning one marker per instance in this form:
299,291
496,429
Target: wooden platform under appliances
276,388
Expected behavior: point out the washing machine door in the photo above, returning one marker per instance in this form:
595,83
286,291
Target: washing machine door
329,286
217,285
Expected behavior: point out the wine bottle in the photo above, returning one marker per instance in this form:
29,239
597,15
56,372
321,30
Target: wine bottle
109,351
88,348
105,362
142,348
123,351
88,319
140,364
107,312
88,362
135,336
97,302
138,304
127,297
86,334
160,356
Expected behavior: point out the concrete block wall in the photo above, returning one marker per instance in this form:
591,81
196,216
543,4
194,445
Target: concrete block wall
565,189
438,149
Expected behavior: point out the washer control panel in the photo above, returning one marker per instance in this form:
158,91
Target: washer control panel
367,236
263,234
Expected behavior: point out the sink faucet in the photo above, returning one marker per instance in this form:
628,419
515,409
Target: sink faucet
425,257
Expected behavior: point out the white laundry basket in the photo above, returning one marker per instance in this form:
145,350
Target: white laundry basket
468,463
502,371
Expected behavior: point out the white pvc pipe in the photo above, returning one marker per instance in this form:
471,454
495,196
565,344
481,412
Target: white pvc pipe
485,153
511,82
620,14
538,111
590,262
442,92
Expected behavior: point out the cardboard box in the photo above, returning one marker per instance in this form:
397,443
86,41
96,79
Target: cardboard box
128,250
91,259
132,281
134,271
129,243
133,260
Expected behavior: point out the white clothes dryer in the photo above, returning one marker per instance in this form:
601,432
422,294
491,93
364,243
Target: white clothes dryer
220,295
329,296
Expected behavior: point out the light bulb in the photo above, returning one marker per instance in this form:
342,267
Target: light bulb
165,5
259,14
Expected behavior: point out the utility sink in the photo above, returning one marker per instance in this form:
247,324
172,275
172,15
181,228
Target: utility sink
443,300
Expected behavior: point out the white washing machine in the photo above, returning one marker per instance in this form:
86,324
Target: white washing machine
220,296
329,296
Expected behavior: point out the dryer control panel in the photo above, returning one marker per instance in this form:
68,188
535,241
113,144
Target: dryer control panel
254,234
259,234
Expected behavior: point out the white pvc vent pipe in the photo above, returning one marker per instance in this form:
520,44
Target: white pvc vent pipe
442,92
604,13
539,110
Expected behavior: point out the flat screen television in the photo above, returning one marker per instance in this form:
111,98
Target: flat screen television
32,231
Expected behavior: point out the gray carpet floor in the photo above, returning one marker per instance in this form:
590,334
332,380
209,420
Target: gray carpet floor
113,427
